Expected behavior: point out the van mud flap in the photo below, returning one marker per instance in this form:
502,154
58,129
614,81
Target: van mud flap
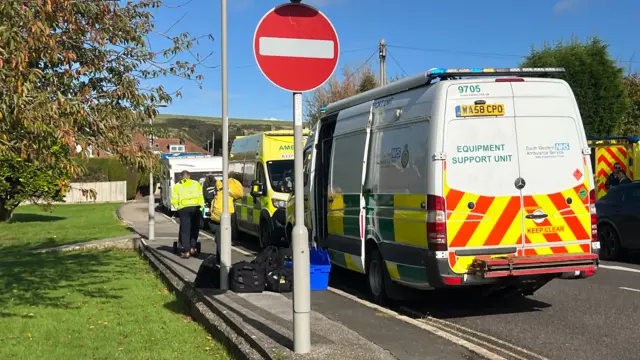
533,265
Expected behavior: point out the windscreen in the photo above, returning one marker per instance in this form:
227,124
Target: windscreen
280,173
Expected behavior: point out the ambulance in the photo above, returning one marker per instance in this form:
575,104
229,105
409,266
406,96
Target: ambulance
607,151
455,177
263,163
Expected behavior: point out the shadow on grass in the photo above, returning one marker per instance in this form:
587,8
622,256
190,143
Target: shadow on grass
31,279
26,218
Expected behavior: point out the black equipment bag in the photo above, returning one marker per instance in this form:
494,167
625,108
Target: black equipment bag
245,277
267,259
280,280
208,274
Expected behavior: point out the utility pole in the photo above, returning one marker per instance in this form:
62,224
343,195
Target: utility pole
213,142
383,63
225,218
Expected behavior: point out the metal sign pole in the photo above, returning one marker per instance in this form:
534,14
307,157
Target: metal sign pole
225,219
300,243
152,199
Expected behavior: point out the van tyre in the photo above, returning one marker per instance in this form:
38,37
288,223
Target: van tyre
610,248
265,235
378,279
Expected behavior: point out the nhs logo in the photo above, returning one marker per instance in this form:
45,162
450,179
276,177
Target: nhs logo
562,146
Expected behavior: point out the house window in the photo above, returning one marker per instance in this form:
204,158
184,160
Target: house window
177,148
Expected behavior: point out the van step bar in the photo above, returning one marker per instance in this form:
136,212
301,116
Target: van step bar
533,265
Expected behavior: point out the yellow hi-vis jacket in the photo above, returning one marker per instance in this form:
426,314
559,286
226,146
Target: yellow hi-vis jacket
187,193
216,204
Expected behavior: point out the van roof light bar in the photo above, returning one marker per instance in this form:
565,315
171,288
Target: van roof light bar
444,73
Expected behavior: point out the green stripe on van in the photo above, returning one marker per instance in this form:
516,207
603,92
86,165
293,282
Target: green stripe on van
351,219
412,273
381,206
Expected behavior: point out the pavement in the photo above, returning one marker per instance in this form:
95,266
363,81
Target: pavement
342,327
592,318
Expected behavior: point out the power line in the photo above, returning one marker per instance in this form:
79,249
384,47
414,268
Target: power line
481,54
365,63
397,63
217,67
455,51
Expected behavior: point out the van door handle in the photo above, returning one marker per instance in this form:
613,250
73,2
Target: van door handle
536,216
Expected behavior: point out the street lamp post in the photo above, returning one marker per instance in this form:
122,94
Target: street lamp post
152,197
225,219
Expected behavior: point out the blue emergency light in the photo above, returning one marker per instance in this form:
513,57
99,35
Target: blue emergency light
446,72
172,155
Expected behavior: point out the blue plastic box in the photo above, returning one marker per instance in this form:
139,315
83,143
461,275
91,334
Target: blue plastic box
320,267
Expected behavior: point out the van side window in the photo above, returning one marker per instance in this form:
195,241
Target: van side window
249,169
401,157
306,165
260,174
346,163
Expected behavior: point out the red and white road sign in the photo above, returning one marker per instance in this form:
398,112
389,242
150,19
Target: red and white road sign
296,47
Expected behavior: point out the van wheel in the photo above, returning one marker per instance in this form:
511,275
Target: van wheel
265,235
378,278
609,243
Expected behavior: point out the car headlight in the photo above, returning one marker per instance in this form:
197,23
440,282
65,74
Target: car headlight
280,204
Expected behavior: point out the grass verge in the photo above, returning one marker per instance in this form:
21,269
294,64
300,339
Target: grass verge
93,305
32,227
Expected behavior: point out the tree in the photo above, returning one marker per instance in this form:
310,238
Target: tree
595,78
72,72
630,124
353,83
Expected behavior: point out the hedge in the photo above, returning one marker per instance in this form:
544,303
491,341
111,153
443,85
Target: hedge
111,169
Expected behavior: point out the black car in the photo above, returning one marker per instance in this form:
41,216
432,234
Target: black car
619,220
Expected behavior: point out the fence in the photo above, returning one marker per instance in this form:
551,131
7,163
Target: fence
112,191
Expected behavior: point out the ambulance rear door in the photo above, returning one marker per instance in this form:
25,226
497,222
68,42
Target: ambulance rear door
553,168
481,174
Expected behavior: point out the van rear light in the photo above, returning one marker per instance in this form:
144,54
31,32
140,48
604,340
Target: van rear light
594,215
436,223
509,80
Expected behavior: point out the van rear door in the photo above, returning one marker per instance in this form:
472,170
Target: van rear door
484,212
553,167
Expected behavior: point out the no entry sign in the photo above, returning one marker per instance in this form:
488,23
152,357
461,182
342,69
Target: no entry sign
296,47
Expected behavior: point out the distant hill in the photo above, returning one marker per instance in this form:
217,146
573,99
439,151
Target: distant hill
199,129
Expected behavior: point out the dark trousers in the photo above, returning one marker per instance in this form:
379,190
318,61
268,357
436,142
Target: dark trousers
215,229
189,226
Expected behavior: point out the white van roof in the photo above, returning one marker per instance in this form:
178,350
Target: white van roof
424,79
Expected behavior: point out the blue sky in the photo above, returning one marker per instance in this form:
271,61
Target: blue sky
421,34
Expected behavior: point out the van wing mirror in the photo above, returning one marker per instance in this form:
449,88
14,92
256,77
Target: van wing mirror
257,189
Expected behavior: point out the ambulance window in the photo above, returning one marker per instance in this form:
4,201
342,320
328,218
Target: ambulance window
347,155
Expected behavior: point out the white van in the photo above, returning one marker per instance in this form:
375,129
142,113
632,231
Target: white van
455,177
198,165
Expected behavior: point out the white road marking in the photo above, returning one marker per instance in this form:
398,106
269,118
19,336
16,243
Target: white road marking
619,268
630,289
434,330
445,324
461,335
301,48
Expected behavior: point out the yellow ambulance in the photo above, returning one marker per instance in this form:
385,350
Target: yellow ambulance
263,163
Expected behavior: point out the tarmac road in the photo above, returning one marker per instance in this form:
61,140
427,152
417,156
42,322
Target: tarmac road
595,318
